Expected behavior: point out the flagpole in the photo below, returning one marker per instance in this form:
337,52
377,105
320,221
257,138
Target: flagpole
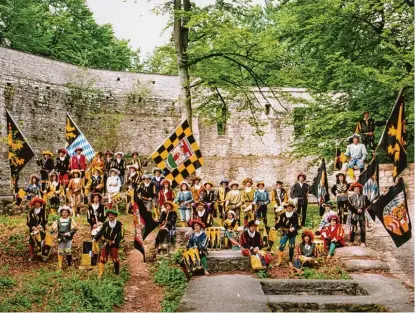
21,133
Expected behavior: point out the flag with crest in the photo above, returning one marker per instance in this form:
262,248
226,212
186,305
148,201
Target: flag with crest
320,187
20,152
179,156
76,139
392,210
392,140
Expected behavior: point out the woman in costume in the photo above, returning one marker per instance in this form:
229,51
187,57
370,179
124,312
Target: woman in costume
199,240
113,185
167,224
231,229
185,200
33,188
165,194
306,251
75,191
53,191
36,221
247,196
339,190
333,234
233,200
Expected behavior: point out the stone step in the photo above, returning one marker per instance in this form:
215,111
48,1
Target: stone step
357,265
356,252
227,261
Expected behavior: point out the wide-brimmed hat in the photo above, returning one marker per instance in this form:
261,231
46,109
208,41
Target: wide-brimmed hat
100,153
231,212
53,173
253,223
169,202
196,178
109,153
350,139
328,203
289,203
35,176
98,169
195,221
146,176
110,211
261,182
233,182
136,153
340,174
37,199
156,169
200,203
134,166
209,182
246,180
165,181
96,194
301,174
184,183
278,182
308,233
114,170
63,208
119,152
47,152
62,150
79,148
224,181
332,217
356,184
76,171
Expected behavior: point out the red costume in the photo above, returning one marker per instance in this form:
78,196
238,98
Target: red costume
78,164
337,233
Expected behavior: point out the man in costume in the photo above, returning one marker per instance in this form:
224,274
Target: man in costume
135,160
340,191
233,200
185,200
299,192
357,153
98,162
147,192
358,204
167,224
222,191
75,190
36,221
203,214
288,225
165,194
62,167
261,199
157,179
333,234
46,166
53,190
120,165
112,232
247,195
279,196
306,251
251,243
33,188
65,226
95,182
367,127
96,212
78,162
199,240
197,190
209,198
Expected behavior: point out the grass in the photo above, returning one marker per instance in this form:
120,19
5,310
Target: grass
327,272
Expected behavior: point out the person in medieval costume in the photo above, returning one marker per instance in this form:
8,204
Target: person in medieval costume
112,232
95,182
333,234
157,179
147,192
135,160
113,186
198,239
328,210
251,243
203,214
107,165
357,153
167,224
231,230
165,194
46,166
75,190
209,198
197,190
339,190
62,167
299,193
233,200
53,191
247,195
261,199
306,253
36,221
119,164
98,163
185,200
78,162
358,204
33,188
366,126
288,225
280,196
371,188
133,182
96,212
65,227
222,191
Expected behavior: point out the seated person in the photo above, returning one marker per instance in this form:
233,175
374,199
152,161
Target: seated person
333,234
306,251
231,229
357,153
328,210
251,243
203,214
199,239
167,224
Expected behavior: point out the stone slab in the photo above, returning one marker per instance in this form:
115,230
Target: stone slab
357,265
356,251
227,261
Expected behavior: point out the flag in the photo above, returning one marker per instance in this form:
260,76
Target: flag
320,187
143,224
392,210
370,187
76,139
392,140
20,152
179,156
339,159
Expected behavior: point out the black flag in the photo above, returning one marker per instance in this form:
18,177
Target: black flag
20,152
393,137
320,187
370,187
392,211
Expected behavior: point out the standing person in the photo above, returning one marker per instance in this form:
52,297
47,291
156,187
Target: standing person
135,160
306,251
261,199
107,165
339,190
233,200
147,192
75,191
222,191
120,165
358,204
247,195
96,212
199,240
166,194
36,222
357,153
62,167
113,186
280,196
157,180
371,188
133,179
299,192
167,224
98,162
113,232
78,162
197,190
367,127
95,182
33,188
65,226
53,191
288,223
251,243
333,234
185,200
209,198
46,166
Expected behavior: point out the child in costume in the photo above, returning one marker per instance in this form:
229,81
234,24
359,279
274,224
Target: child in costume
197,190
328,210
62,167
209,198
165,194
231,229
280,196
53,191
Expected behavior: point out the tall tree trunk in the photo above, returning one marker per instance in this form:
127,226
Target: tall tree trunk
181,38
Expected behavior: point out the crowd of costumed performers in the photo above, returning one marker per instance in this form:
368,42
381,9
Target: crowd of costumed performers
74,189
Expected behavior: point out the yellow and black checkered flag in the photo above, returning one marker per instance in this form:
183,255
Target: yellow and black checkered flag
179,156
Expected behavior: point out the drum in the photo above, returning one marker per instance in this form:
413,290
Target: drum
95,231
319,244
87,253
191,259
116,197
47,246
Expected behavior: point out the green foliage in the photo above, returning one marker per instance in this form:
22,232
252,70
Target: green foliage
335,272
261,274
6,282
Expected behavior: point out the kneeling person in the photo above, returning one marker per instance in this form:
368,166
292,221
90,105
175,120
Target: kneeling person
65,226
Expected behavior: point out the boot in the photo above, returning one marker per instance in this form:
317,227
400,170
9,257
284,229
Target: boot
117,268
270,245
280,255
69,259
60,261
101,269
